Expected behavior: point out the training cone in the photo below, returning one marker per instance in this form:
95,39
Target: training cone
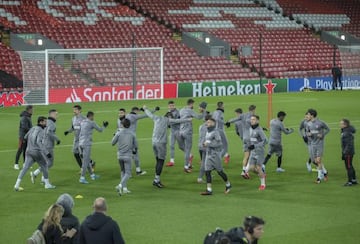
79,196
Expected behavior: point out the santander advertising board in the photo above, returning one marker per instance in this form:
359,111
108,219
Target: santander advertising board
110,93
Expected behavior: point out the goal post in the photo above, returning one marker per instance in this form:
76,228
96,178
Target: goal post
107,74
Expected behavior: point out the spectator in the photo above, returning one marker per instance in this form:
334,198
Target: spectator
99,228
250,233
69,222
50,225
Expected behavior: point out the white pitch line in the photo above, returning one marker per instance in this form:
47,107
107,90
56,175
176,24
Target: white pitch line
199,98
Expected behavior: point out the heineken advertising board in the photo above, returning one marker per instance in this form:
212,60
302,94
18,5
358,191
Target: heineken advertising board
228,88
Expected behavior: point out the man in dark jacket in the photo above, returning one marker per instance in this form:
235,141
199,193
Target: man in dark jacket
347,150
250,233
100,228
69,222
24,127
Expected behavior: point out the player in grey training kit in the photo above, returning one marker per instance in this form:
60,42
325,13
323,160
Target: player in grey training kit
75,127
238,124
306,139
257,140
202,149
50,138
244,119
85,142
122,115
159,140
275,146
218,116
186,130
174,133
316,130
127,146
35,152
133,116
213,145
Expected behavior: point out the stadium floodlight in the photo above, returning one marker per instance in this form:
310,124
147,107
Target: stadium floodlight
110,73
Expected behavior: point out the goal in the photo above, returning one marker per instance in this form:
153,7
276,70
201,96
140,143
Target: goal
88,75
350,60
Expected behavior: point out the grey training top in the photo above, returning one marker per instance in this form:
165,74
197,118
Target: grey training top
213,140
239,129
133,117
75,126
316,130
50,136
218,116
35,137
202,134
126,142
185,113
258,139
176,115
245,118
86,131
276,128
161,124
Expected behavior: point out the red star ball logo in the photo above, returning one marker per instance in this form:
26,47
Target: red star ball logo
269,86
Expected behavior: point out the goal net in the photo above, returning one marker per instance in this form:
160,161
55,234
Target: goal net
89,75
350,60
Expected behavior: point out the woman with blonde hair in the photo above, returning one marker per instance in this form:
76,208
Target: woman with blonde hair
50,225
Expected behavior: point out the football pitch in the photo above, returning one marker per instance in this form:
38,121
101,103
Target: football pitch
294,208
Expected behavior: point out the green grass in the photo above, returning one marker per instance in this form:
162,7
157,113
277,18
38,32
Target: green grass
295,209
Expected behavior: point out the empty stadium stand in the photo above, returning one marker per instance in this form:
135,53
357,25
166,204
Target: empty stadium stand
95,24
288,48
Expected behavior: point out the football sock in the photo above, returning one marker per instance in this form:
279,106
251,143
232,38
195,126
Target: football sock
46,181
223,175
36,172
324,171
78,159
17,184
159,166
208,187
157,178
279,161
319,173
262,181
247,167
208,176
138,169
267,159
